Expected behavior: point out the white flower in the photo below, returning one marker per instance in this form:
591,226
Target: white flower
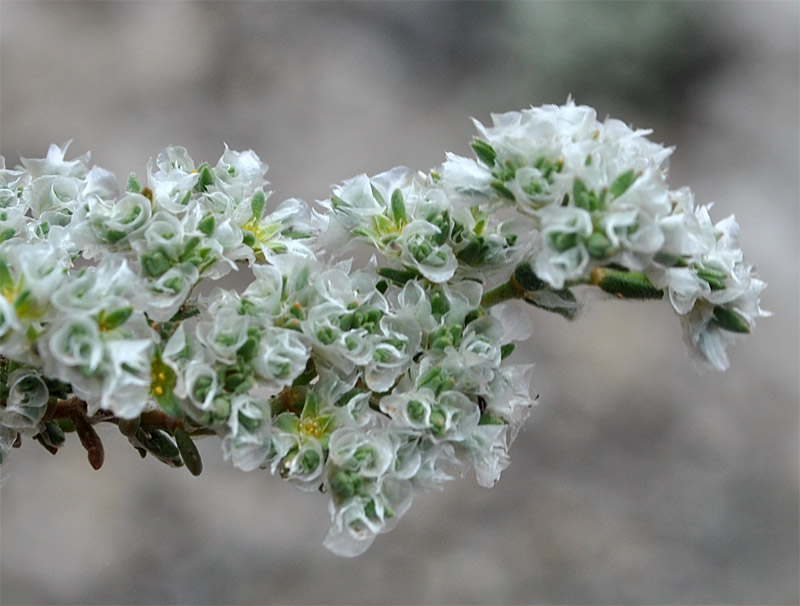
564,255
200,384
26,402
126,384
281,357
419,250
54,163
166,294
249,440
52,193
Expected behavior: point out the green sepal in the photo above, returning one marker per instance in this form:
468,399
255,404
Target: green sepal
487,419
344,484
288,422
248,238
398,276
485,152
731,320
439,303
170,403
206,178
207,225
625,284
670,260
474,253
376,193
714,278
189,453
580,194
311,406
501,189
622,183
6,279
506,350
599,246
308,374
257,204
399,208
156,264
7,234
115,319
133,185
474,315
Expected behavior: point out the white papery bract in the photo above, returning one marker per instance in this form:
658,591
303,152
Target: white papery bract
365,355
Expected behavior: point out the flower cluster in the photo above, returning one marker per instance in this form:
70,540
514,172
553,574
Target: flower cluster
368,377
598,198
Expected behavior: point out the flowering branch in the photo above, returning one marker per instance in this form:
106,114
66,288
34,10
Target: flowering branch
369,380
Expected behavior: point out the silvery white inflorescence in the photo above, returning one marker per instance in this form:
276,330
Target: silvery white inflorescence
368,380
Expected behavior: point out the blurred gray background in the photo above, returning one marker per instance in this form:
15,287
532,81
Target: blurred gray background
636,480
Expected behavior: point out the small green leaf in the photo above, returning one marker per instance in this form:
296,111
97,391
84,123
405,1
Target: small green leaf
6,280
115,319
580,194
715,278
161,445
398,276
622,183
625,284
731,320
399,208
506,350
376,193
207,225
133,184
486,419
526,278
189,453
501,189
485,152
257,204
561,302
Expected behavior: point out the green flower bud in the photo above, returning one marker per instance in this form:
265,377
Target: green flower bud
599,246
156,264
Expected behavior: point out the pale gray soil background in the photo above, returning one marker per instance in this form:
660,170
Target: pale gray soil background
637,480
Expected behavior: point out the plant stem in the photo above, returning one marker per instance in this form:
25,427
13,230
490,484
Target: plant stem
505,292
